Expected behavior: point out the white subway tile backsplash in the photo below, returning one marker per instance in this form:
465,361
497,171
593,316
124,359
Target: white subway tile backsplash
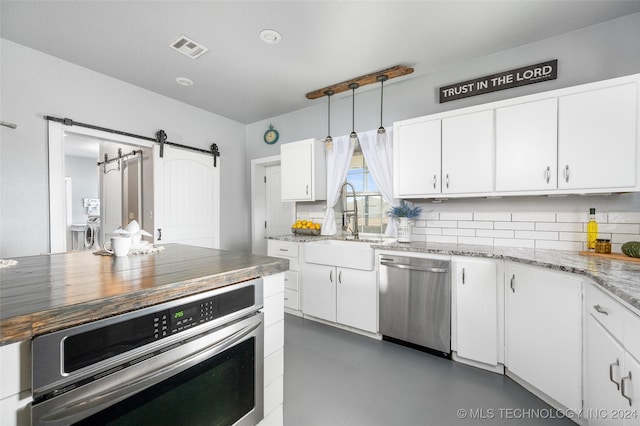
537,235
458,231
504,242
442,224
559,245
564,227
533,217
540,230
492,216
528,226
624,217
475,224
456,216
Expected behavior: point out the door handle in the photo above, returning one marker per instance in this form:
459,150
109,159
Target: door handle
447,180
435,181
340,277
159,234
567,173
306,190
463,280
600,310
547,174
513,280
623,390
331,275
617,363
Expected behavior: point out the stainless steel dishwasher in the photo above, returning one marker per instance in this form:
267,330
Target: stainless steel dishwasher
415,302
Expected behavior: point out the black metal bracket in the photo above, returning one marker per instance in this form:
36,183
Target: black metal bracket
161,138
216,153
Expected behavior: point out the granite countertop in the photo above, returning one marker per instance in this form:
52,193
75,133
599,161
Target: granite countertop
616,276
45,293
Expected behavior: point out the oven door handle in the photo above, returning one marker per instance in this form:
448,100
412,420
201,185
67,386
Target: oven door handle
137,384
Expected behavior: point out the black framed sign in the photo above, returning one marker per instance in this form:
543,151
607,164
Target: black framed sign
536,73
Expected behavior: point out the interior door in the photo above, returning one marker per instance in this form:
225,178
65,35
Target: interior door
187,198
280,214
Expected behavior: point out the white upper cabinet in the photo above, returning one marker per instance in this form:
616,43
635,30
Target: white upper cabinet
597,138
416,159
526,146
303,171
467,153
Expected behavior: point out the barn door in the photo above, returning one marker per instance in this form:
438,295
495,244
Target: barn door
187,198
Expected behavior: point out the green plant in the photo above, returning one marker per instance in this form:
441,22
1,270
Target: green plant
405,209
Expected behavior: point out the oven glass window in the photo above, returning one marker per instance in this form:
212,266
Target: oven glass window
218,391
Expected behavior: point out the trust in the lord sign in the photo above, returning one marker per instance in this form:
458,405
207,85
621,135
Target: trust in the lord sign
504,80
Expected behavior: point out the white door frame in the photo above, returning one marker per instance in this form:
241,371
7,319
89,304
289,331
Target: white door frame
258,207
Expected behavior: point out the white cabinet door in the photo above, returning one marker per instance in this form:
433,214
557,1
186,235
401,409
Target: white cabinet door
597,138
357,295
296,173
416,159
319,291
476,284
526,146
604,359
467,153
544,331
303,171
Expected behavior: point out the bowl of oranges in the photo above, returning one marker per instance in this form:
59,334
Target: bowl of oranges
306,227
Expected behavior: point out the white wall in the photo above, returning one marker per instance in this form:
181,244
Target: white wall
34,84
595,53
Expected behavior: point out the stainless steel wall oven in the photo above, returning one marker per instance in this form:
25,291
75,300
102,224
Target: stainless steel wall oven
193,361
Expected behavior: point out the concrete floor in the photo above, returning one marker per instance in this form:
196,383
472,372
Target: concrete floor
334,377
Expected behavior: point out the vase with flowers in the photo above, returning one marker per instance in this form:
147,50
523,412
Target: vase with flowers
403,215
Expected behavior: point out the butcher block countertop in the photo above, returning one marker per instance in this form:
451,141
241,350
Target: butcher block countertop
45,293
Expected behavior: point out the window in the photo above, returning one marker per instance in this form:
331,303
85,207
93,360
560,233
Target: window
372,209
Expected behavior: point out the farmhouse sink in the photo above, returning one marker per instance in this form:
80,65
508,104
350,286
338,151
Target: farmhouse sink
356,254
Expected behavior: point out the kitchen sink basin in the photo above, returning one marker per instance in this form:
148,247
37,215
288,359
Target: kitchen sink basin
356,254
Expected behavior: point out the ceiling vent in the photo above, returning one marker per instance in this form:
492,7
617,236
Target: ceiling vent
186,46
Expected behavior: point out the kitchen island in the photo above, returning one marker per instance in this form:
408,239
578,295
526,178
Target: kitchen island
50,292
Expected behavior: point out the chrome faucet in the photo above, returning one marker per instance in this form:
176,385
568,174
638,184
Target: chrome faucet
350,213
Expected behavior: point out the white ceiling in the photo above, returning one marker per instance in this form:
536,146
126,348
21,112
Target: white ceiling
323,42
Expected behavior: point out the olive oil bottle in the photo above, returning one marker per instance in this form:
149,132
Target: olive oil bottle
592,230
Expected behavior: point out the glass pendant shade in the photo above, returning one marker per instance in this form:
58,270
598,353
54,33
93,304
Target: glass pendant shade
353,137
381,138
328,140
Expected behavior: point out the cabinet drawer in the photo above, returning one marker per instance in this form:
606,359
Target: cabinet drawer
606,311
283,249
291,280
291,300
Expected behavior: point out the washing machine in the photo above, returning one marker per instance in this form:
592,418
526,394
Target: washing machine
92,233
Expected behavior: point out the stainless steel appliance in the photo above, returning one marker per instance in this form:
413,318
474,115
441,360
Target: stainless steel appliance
197,360
415,302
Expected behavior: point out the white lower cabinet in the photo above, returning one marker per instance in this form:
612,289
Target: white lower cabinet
544,331
15,384
477,311
341,295
288,250
612,373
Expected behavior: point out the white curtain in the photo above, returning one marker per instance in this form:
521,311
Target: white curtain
380,164
338,161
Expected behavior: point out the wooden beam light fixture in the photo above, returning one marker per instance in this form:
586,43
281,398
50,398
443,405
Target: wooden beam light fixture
393,72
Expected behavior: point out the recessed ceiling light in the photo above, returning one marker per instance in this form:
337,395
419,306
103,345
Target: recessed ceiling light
270,36
184,81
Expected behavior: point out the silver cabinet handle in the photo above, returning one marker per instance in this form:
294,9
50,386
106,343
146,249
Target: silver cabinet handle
331,275
547,174
340,277
600,310
284,249
623,390
306,190
159,234
447,180
567,173
463,277
513,280
617,364
435,181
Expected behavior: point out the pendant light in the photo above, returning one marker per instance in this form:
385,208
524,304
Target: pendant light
353,137
381,139
328,140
